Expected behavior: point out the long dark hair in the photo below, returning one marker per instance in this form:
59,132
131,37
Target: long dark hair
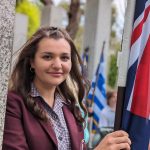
22,76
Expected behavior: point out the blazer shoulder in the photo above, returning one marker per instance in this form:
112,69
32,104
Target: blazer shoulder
14,96
15,103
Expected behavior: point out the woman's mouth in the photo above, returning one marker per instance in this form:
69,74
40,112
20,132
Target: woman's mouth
55,74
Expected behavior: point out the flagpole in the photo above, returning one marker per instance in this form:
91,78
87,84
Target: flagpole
122,61
92,101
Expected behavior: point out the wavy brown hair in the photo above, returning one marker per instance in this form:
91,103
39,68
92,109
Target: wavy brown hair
22,77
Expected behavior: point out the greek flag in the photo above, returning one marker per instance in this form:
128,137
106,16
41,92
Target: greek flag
97,93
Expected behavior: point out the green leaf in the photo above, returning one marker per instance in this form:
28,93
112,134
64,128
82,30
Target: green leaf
33,12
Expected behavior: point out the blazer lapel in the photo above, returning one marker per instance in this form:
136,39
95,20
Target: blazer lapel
47,127
49,130
76,131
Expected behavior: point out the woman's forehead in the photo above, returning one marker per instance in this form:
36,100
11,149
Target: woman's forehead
50,44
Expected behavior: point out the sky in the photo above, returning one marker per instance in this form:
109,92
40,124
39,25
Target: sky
121,5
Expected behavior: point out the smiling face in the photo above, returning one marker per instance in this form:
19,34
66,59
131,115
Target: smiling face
52,62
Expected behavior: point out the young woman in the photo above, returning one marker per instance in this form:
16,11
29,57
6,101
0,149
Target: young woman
43,112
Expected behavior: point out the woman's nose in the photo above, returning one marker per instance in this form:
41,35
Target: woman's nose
56,63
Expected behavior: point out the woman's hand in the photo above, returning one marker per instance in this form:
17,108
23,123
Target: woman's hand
115,141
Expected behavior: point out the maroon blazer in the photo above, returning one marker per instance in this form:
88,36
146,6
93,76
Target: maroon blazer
23,131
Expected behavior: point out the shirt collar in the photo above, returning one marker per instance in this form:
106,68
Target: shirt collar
34,92
58,95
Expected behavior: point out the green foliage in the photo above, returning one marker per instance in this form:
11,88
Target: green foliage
115,46
33,12
112,75
114,15
79,38
113,34
64,5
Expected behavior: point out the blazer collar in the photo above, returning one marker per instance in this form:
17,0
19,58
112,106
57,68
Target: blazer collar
75,130
47,126
49,130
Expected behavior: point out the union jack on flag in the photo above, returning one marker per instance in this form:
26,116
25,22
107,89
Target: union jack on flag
136,113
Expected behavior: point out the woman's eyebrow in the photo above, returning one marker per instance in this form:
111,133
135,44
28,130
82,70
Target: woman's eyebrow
66,53
47,52
51,53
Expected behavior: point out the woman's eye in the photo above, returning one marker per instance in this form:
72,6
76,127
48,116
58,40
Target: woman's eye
47,57
65,58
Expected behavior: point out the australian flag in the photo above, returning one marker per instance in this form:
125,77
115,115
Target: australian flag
97,93
136,111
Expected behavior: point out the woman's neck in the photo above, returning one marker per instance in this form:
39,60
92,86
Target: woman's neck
47,92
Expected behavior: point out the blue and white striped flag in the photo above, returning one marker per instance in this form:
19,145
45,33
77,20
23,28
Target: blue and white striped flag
97,93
